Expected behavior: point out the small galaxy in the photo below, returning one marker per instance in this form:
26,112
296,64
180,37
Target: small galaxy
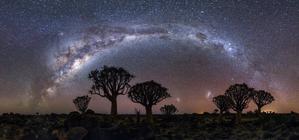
195,48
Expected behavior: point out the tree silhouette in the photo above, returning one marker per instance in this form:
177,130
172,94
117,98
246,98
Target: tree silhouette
110,82
240,95
81,103
262,98
148,93
168,109
223,103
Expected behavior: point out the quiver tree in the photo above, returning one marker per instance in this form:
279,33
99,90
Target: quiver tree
223,103
168,109
148,93
261,98
240,95
109,82
81,103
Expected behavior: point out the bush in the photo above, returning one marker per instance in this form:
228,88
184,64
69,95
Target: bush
268,135
294,137
72,120
89,111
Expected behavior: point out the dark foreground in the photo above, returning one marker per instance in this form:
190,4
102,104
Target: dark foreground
92,126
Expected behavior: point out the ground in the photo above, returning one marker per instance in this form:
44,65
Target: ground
91,126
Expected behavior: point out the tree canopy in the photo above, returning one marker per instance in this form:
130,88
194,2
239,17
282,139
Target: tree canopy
240,95
262,98
223,103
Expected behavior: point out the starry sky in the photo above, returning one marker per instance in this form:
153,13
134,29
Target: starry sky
195,48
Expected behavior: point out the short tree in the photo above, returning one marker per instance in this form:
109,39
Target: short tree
240,95
110,82
223,103
261,98
148,93
81,103
137,111
168,109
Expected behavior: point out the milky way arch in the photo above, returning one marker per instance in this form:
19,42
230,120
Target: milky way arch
74,53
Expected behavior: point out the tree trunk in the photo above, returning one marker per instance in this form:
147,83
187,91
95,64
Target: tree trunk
149,114
239,115
138,117
220,115
259,110
114,107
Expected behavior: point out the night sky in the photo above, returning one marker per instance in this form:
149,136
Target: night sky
195,48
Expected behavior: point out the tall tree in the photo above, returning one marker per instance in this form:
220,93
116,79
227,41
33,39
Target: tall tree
109,82
148,93
168,109
262,98
223,103
240,95
81,103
